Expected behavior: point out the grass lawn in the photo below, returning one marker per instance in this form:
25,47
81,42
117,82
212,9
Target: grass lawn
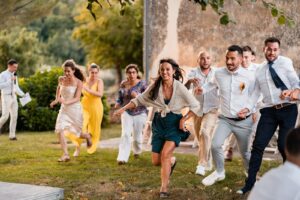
33,160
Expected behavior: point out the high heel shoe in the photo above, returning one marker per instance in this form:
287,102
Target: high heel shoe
64,158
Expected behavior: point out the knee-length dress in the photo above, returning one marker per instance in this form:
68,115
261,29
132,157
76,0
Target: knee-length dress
70,117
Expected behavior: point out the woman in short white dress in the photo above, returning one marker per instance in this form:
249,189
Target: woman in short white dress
69,120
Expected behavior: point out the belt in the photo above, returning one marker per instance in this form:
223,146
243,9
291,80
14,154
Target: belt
238,119
282,105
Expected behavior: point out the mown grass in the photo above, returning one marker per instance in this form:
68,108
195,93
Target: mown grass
33,160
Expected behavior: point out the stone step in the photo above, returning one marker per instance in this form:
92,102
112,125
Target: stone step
18,191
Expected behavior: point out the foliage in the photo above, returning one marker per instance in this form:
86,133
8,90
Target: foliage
218,7
37,115
22,45
19,12
112,40
55,32
123,4
32,160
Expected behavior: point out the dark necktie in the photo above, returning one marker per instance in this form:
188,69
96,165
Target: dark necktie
276,79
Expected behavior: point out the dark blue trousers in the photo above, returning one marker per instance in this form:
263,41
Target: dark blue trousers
270,119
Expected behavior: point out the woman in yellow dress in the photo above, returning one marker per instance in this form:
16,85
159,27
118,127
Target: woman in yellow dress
92,106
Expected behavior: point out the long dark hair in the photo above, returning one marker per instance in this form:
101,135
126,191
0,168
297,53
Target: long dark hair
77,72
177,75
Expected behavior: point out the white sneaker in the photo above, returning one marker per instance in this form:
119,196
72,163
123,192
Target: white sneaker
200,170
209,167
213,177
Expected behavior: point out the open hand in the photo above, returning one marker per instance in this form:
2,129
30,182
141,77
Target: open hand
119,112
53,103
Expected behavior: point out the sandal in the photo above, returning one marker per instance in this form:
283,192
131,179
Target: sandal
163,195
64,158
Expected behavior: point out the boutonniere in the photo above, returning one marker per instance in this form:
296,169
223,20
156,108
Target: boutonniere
242,86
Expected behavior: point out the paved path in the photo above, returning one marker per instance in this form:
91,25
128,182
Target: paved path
184,148
16,191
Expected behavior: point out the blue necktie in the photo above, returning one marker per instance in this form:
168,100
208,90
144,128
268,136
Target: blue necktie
276,79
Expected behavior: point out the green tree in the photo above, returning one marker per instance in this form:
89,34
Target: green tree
18,12
22,45
55,31
112,40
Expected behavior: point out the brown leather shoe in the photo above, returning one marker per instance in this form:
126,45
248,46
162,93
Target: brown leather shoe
14,138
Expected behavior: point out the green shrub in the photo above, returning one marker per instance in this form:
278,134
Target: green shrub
37,115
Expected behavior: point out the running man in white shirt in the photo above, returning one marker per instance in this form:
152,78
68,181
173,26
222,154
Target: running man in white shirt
235,85
9,88
209,103
284,181
248,57
273,78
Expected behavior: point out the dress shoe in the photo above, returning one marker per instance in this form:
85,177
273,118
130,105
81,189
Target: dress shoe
121,162
14,138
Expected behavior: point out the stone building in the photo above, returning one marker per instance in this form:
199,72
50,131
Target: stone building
180,29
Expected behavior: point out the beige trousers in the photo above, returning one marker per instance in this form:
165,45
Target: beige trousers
204,129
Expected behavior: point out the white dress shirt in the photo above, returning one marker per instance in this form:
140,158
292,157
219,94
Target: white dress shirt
266,86
235,89
209,100
282,183
7,86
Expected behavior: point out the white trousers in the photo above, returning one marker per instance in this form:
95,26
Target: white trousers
131,125
9,109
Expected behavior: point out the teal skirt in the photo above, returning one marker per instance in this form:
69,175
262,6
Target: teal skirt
166,129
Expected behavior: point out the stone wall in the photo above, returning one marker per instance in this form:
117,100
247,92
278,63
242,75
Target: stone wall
198,30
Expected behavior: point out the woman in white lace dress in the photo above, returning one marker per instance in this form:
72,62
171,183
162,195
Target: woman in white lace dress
70,118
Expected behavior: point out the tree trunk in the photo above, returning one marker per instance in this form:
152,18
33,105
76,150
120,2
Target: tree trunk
119,73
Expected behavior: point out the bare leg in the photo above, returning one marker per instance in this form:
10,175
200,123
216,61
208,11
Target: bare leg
156,160
63,144
88,138
166,163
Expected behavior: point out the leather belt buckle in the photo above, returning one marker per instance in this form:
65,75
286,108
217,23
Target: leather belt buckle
279,106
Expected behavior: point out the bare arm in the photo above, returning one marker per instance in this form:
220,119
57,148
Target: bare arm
99,92
57,94
130,105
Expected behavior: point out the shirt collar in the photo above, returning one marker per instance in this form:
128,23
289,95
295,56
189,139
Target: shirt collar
11,73
201,73
236,72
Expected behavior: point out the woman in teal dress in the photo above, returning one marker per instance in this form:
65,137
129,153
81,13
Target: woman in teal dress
168,96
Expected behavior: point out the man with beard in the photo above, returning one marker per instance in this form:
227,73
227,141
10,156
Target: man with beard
235,85
273,78
209,102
